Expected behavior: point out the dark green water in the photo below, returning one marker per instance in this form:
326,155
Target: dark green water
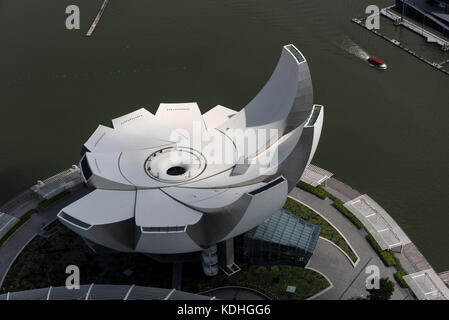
385,133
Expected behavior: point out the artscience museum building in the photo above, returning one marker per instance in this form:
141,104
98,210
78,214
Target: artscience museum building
179,181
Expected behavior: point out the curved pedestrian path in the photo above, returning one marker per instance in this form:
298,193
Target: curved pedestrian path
103,292
14,245
327,259
348,281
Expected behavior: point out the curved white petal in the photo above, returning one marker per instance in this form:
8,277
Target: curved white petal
217,116
156,209
179,181
103,207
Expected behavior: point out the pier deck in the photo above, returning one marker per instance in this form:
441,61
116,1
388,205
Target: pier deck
415,257
445,277
435,65
97,18
430,37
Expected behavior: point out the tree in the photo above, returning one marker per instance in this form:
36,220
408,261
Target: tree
385,291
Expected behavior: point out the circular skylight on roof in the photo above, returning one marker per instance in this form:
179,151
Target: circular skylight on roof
175,164
176,171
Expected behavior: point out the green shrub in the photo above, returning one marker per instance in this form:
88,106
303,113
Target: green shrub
399,276
398,263
390,260
400,273
271,281
21,221
373,243
338,204
318,191
40,207
384,292
386,256
44,204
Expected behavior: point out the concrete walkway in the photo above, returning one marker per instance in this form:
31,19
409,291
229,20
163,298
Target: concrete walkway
11,249
348,281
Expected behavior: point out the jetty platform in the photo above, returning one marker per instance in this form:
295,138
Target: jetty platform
398,44
430,37
97,18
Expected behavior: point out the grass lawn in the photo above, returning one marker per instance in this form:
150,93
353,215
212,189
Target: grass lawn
327,231
272,281
337,203
43,262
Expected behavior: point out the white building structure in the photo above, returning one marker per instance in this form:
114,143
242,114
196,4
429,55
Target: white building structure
179,181
378,222
315,176
427,285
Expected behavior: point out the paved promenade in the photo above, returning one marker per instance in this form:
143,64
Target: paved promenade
445,277
348,281
17,242
21,204
347,278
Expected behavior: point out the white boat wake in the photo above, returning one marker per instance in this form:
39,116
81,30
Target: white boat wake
353,48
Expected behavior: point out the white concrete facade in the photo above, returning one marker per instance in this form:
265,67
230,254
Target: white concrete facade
315,176
180,181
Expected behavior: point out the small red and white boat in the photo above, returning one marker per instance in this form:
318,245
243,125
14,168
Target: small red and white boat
377,63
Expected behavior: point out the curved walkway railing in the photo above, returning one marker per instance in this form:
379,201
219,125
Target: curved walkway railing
238,288
103,292
17,206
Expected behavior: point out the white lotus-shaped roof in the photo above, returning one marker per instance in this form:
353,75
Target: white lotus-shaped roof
186,180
